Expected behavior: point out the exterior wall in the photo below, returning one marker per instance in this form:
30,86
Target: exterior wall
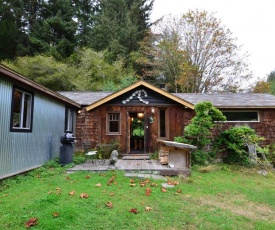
91,126
21,151
265,127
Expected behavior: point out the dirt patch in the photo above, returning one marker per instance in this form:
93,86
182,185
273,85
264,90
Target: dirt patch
237,204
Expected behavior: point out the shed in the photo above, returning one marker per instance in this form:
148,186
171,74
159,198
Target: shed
33,118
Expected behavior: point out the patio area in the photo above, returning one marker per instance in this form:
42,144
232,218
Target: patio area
138,165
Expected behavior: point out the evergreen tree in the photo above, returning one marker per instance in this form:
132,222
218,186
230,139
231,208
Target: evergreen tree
54,30
120,26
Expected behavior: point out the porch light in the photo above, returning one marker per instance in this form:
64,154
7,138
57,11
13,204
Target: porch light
140,115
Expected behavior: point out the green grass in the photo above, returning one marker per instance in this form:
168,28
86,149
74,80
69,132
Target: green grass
223,198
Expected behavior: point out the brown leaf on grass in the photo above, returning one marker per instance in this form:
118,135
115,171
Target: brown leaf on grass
178,191
163,189
58,189
112,194
72,193
134,210
98,185
148,192
84,195
142,184
109,204
67,178
148,208
55,214
50,192
87,176
132,185
31,222
115,182
132,181
111,180
142,203
154,185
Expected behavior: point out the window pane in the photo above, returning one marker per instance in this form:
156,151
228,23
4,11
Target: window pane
162,125
241,116
16,115
114,123
69,120
27,111
21,110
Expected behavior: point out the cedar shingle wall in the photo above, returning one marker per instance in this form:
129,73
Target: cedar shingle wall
91,126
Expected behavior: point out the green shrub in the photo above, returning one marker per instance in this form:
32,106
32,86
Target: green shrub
233,141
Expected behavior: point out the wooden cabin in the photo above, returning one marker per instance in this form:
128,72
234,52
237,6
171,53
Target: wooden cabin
137,116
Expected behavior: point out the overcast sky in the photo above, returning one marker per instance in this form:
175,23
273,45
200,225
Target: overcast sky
252,22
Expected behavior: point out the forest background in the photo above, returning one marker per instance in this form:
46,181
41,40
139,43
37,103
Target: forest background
106,45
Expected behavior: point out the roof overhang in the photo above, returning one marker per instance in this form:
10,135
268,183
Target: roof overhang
18,77
135,85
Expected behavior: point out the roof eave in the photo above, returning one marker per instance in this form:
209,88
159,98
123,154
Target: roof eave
16,76
133,86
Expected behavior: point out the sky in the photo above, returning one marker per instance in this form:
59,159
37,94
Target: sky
252,22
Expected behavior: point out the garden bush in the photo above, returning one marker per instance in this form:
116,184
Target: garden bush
234,142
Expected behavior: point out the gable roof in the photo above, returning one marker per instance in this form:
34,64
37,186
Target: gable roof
20,78
232,100
222,100
135,85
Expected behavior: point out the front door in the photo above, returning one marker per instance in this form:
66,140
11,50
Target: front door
136,131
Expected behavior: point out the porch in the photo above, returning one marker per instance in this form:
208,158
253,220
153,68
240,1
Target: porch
146,166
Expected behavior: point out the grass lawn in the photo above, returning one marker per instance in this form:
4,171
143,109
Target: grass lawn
224,198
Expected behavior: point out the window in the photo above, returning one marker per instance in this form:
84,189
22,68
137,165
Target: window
113,125
22,110
69,120
163,123
241,116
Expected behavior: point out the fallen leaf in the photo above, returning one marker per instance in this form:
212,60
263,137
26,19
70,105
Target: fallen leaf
55,214
67,178
132,185
87,176
72,193
134,210
84,195
148,192
50,192
111,194
31,222
109,204
163,189
58,189
142,184
98,185
199,177
142,203
148,208
154,185
178,191
132,181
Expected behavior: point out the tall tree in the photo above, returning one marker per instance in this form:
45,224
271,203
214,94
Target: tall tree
119,26
207,57
85,11
54,30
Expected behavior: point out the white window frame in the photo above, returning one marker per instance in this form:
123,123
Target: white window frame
25,116
113,116
240,111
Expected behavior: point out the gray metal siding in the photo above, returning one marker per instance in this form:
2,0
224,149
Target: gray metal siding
20,151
